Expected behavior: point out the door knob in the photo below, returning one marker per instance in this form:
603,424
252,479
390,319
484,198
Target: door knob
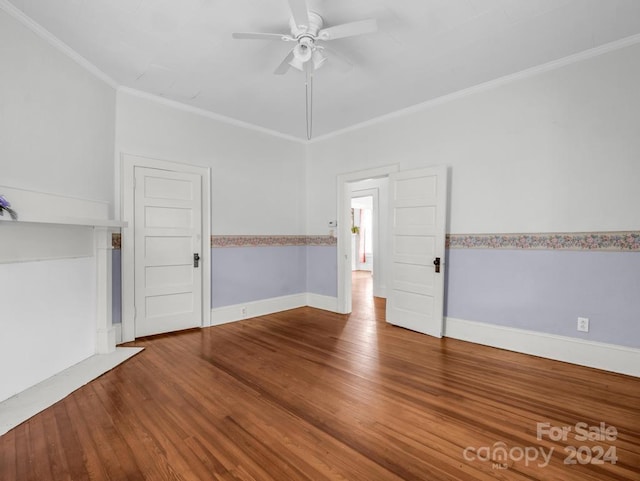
436,263
196,259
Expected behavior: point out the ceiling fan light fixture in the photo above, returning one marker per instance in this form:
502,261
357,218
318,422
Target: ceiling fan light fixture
297,63
302,52
318,59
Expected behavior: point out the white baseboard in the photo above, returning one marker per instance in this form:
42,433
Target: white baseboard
105,340
609,357
222,315
118,329
380,292
326,303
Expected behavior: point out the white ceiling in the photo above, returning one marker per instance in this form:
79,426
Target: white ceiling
182,50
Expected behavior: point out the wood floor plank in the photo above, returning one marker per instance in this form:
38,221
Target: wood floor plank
71,450
311,395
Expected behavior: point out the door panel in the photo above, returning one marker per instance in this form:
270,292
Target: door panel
416,218
168,189
168,217
418,223
162,276
168,231
169,303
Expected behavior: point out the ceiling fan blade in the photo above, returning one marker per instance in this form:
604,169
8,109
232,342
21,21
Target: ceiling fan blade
284,66
262,36
349,29
299,12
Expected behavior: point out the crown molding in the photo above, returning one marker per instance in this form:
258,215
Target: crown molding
55,42
491,84
206,113
83,62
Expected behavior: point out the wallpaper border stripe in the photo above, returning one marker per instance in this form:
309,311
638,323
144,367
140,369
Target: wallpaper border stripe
218,241
272,240
621,241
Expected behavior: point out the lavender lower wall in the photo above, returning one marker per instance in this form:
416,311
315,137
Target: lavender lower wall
254,273
537,290
546,291
245,274
116,295
322,270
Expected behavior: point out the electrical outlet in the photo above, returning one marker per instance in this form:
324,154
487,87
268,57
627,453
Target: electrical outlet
243,311
583,324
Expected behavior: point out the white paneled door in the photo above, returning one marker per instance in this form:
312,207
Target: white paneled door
168,241
415,299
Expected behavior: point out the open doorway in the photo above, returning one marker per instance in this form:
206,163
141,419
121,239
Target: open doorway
412,243
363,247
371,183
362,238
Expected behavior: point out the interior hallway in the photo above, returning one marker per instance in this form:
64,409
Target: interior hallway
363,304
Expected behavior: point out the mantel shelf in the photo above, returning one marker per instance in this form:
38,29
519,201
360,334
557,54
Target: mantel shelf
70,221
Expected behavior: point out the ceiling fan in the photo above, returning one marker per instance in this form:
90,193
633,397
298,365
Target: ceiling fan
308,32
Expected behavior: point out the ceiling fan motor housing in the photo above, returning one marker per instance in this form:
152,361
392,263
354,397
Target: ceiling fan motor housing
315,25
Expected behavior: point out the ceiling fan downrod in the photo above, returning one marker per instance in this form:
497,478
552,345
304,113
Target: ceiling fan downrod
309,100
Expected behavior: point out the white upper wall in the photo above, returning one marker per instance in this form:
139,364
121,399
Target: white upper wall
257,179
557,151
56,119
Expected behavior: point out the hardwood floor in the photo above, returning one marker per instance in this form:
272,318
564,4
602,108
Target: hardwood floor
310,395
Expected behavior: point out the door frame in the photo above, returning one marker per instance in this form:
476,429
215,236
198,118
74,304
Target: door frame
344,228
128,163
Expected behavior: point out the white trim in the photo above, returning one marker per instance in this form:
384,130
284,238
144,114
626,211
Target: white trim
55,42
67,221
106,334
599,355
223,315
44,207
118,329
31,401
208,114
491,84
326,303
344,229
127,175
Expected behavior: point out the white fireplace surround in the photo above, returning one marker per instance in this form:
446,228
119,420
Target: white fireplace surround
55,273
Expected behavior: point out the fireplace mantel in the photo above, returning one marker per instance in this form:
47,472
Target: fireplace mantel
54,227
